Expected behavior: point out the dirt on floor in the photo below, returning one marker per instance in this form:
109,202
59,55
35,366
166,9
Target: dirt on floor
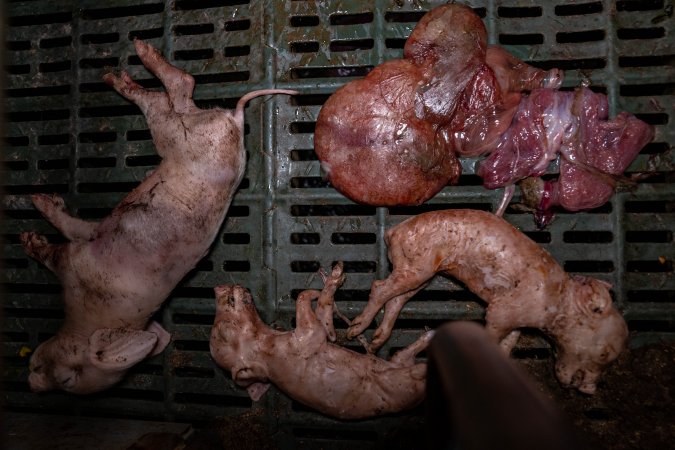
634,407
246,431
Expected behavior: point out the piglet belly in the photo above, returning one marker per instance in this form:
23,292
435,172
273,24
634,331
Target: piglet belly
348,385
162,226
143,253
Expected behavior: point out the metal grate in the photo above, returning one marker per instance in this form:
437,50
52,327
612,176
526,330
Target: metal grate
67,132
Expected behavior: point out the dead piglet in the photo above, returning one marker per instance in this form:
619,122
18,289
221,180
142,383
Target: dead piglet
302,363
117,273
522,284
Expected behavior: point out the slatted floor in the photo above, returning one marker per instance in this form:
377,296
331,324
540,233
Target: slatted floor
67,132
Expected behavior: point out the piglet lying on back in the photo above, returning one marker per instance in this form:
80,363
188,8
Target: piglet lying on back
332,379
117,273
522,284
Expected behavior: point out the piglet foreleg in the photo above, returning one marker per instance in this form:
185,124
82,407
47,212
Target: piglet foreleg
53,208
326,305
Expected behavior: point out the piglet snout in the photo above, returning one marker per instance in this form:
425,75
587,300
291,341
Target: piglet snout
224,296
582,378
38,382
584,381
222,290
230,296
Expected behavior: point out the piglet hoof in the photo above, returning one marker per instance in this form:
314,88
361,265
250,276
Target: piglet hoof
588,388
142,49
378,341
38,247
337,277
122,84
355,329
32,241
178,83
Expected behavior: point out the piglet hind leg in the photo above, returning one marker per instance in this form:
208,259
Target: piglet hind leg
178,83
165,112
177,125
502,333
306,320
399,282
326,302
406,357
129,89
391,311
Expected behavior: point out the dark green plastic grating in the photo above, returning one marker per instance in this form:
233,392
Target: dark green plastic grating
67,132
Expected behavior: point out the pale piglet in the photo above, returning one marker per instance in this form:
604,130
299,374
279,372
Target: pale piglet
522,284
302,363
117,273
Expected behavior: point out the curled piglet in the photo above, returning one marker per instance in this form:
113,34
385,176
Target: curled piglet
116,273
303,363
521,283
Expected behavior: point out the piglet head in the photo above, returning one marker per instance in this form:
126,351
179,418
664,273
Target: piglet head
235,339
590,336
81,366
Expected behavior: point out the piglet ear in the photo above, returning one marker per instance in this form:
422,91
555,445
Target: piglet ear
594,295
257,390
601,300
119,348
603,283
163,337
599,303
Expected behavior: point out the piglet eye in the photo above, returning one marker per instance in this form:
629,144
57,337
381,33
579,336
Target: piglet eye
36,369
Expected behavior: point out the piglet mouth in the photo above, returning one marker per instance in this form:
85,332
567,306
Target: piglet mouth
569,377
577,378
240,377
